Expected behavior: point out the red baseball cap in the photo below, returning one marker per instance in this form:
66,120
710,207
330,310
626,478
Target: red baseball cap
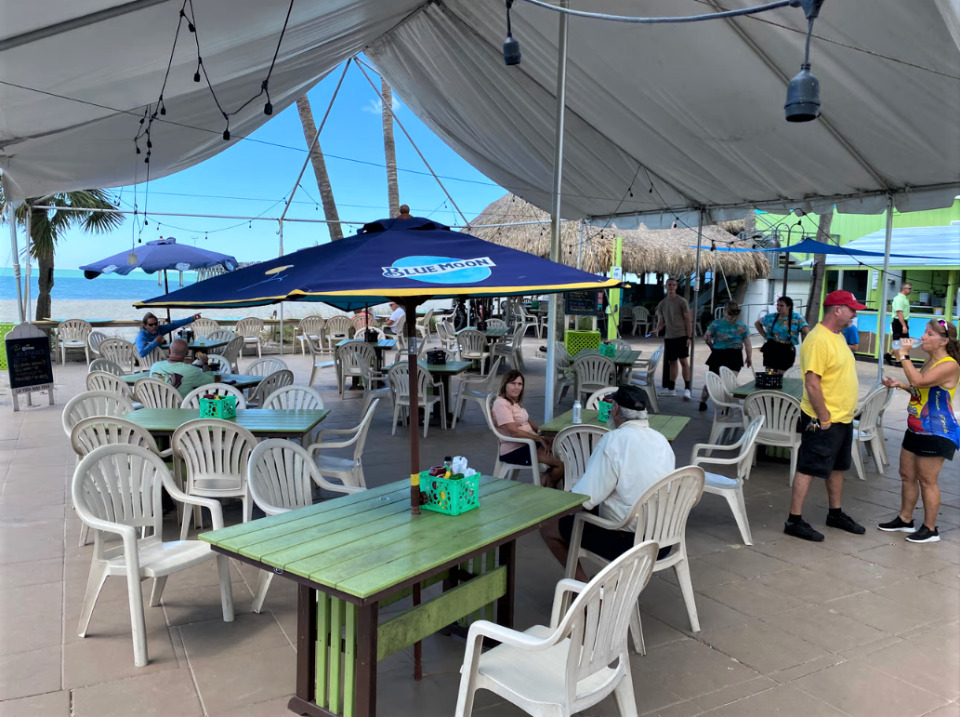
843,298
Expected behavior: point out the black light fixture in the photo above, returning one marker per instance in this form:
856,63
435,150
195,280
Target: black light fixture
511,47
803,92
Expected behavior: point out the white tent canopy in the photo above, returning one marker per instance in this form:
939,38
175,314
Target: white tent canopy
695,110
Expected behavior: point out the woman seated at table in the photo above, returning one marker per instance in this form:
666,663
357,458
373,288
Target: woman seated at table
781,332
513,420
729,342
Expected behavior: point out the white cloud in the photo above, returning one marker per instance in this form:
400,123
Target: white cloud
375,106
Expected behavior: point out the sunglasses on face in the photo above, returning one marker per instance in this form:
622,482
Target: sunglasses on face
150,325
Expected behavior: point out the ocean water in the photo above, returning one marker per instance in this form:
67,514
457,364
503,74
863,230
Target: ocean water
70,285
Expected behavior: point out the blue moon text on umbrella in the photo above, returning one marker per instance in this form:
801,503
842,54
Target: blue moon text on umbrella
440,269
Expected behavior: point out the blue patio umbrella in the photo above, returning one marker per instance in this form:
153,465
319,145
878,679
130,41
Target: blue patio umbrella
811,246
402,260
160,255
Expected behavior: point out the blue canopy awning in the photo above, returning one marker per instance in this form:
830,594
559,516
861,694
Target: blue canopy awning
386,260
811,246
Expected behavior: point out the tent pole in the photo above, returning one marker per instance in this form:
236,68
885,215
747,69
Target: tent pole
580,244
15,249
551,374
410,312
882,313
166,290
696,295
281,254
28,228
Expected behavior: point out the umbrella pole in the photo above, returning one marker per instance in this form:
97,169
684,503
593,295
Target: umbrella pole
696,298
166,290
882,309
410,309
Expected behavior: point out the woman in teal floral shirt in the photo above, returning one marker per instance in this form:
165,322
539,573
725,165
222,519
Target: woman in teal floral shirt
781,332
729,342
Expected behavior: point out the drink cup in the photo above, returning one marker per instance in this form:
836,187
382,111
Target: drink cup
217,377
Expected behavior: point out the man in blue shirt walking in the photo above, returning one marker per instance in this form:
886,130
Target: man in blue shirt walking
151,335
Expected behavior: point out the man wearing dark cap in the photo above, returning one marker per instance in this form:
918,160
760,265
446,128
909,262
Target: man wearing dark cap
625,463
830,394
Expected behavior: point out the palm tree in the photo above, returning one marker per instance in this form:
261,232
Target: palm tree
48,226
389,148
819,268
319,169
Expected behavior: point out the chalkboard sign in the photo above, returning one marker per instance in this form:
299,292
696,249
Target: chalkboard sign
28,362
583,303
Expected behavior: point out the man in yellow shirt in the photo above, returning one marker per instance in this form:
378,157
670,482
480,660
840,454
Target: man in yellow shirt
830,395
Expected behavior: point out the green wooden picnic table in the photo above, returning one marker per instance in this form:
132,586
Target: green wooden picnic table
261,422
669,426
355,554
381,345
241,381
791,386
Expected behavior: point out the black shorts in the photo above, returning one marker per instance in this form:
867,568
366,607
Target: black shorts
899,331
778,356
731,358
824,451
518,457
608,544
675,349
928,446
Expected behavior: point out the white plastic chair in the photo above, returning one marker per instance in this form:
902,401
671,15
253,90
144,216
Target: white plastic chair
317,360
660,515
265,367
349,357
72,334
447,335
93,403
215,455
204,327
643,375
593,403
507,470
576,662
219,363
399,377
309,329
216,335
146,362
109,382
868,430
565,378
510,348
154,393
297,398
793,372
362,321
474,347
102,364
192,399
731,381
782,412
423,325
641,317
372,388
250,329
123,353
593,372
731,489
336,330
573,446
726,411
281,476
269,384
348,470
94,339
496,324
231,353
880,432
527,320
475,389
117,489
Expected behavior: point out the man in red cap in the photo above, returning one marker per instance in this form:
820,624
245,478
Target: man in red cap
830,395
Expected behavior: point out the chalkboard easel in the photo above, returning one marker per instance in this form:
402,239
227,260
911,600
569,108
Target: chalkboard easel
28,363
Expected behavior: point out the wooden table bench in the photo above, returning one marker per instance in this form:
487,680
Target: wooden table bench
669,426
241,381
261,422
355,554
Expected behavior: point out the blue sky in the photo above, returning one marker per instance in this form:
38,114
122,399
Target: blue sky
261,176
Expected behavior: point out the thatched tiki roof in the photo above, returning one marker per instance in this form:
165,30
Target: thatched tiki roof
664,251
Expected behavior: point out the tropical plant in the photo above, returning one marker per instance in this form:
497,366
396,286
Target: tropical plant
319,169
48,226
389,148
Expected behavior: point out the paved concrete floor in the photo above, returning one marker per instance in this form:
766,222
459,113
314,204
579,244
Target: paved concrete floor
857,625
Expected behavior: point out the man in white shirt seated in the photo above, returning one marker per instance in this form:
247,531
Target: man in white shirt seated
396,313
625,463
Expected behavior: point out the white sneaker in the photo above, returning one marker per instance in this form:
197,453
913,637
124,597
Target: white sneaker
686,394
667,392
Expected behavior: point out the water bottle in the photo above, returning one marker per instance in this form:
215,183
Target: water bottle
577,409
896,344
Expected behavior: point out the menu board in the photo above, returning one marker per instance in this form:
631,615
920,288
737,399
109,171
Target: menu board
28,362
583,303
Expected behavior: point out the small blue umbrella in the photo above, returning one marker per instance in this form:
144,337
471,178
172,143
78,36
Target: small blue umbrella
811,246
402,260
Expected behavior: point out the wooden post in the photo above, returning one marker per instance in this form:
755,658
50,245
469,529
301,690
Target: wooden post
410,310
613,320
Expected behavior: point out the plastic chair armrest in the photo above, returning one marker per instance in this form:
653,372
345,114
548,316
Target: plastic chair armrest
597,520
507,636
216,510
567,585
322,445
